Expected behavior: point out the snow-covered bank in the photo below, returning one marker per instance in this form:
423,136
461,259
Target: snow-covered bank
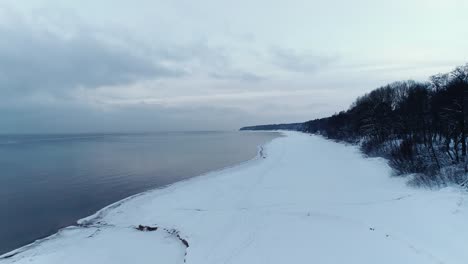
308,201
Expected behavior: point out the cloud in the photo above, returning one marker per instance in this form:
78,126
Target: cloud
237,75
38,59
293,61
76,118
77,65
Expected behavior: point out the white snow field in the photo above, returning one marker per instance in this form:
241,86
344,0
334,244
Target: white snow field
305,200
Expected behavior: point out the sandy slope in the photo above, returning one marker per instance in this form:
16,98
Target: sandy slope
308,201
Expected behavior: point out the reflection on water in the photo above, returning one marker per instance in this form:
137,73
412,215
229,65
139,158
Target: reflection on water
49,181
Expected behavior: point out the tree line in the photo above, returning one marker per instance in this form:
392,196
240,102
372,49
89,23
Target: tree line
420,127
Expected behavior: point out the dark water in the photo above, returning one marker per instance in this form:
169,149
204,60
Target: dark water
49,181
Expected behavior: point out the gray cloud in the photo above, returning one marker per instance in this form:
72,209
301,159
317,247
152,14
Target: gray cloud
205,67
237,75
291,60
32,60
75,118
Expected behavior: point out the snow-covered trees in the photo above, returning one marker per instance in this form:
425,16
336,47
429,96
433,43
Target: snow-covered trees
420,127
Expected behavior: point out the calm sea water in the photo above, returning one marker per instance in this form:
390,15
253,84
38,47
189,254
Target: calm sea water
49,181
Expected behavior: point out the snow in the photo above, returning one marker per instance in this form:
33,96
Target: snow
103,245
307,200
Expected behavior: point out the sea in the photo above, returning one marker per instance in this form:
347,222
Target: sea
48,182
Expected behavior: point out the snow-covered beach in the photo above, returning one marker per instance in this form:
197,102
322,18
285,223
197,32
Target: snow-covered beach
304,200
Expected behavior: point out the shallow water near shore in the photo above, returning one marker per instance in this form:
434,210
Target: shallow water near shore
50,181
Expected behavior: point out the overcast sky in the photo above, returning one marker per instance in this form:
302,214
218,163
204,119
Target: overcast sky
148,65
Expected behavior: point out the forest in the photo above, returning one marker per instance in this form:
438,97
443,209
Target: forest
420,127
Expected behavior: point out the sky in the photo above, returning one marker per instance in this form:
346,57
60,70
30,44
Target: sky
166,65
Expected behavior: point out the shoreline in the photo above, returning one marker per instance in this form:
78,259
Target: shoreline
88,220
258,157
307,200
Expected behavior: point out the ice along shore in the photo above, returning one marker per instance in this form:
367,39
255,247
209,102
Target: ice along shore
306,200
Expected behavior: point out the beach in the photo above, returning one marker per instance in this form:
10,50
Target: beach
303,199
53,180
